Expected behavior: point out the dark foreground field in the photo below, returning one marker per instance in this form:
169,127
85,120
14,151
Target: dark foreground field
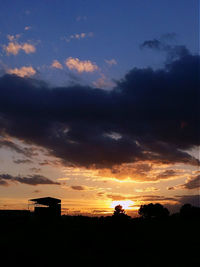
83,241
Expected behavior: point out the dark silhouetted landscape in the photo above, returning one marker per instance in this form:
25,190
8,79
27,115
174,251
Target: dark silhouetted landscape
153,239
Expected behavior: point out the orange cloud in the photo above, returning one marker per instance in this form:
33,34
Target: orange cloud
28,48
15,47
147,189
141,172
56,64
80,66
23,71
12,48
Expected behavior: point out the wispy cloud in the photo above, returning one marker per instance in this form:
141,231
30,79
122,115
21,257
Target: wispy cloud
78,36
147,189
13,37
111,62
22,161
81,18
23,71
27,28
56,64
103,82
173,51
80,188
80,65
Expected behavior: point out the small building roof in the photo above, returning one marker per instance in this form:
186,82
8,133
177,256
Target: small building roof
47,201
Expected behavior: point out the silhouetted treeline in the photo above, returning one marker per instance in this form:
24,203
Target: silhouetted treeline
117,240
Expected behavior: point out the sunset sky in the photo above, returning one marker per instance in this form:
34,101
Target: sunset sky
99,103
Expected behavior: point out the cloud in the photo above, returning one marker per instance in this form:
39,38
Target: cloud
56,64
173,51
22,161
144,198
35,169
103,82
27,28
12,38
78,187
26,151
23,71
116,197
100,211
30,180
78,36
140,172
153,44
147,189
3,183
15,47
12,48
111,62
80,66
80,18
191,183
50,163
146,109
28,48
36,191
167,174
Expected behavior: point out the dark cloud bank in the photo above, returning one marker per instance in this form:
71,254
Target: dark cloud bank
192,183
154,112
5,179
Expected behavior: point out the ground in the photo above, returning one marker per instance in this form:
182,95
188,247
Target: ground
84,241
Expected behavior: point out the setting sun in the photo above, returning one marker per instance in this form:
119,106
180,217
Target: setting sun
126,204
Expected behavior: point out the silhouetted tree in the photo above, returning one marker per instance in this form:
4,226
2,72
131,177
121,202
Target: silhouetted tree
119,211
187,211
153,211
119,214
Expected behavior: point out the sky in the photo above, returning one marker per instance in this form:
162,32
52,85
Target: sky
99,104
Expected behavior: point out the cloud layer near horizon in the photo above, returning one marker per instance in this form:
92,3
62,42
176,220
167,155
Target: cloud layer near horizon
153,113
30,180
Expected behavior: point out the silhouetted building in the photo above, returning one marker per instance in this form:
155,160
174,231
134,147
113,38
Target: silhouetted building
47,207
